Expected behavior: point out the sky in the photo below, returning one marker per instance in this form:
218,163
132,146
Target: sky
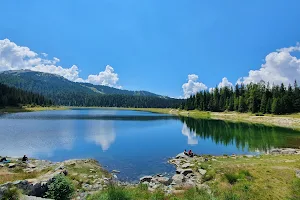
174,48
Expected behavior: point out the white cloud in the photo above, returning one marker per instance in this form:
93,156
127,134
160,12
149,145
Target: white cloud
107,77
225,83
192,86
14,57
44,54
279,67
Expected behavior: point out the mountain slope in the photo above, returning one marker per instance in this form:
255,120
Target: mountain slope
64,92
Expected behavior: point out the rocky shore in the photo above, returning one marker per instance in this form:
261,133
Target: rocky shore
88,176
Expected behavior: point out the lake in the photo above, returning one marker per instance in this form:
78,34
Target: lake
133,142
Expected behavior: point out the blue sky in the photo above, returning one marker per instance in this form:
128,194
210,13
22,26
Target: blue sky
154,45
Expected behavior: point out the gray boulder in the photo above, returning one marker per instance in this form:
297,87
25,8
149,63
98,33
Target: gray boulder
146,179
178,179
298,173
186,171
182,155
164,180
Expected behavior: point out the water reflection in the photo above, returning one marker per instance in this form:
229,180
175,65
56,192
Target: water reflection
21,138
243,135
191,135
101,133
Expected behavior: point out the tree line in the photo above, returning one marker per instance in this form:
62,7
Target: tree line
253,97
10,96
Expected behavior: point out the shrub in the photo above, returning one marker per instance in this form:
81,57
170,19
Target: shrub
209,175
231,196
196,194
11,194
232,178
60,189
116,193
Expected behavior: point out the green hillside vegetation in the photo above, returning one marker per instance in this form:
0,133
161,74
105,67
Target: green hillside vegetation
10,96
64,92
255,98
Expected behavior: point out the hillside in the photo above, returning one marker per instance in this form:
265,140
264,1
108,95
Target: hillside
10,96
64,92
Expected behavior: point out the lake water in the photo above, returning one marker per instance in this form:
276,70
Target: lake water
136,143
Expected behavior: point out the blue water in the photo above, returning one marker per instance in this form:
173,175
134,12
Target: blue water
136,143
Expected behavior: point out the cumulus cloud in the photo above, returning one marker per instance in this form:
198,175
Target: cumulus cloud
14,57
225,83
192,86
279,67
107,77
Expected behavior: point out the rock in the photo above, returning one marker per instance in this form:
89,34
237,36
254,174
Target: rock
298,173
29,165
11,165
289,151
186,165
182,155
275,151
186,171
178,170
1,165
178,179
60,167
249,156
164,180
202,171
115,171
27,170
146,179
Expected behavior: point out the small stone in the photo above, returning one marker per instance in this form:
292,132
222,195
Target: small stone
11,165
29,165
202,171
298,173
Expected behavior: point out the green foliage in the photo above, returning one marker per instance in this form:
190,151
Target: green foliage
11,194
61,188
10,96
232,178
117,193
231,196
197,194
295,190
209,175
248,98
64,92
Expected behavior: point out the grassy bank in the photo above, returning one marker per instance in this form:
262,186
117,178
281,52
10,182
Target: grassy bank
229,178
287,121
30,109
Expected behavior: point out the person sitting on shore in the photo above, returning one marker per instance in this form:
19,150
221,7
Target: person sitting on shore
185,152
25,158
3,159
191,154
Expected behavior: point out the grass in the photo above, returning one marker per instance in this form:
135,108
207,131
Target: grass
30,109
265,177
141,193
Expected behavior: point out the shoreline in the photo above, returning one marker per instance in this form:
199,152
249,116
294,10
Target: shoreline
204,172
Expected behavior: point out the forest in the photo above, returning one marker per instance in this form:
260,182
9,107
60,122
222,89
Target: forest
10,96
254,98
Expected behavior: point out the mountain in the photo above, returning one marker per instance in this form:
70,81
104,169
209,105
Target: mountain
64,92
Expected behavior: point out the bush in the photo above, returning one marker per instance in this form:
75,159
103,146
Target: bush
196,194
60,189
209,175
11,194
232,178
116,193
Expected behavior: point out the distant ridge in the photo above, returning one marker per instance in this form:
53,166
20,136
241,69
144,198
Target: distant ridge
65,92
